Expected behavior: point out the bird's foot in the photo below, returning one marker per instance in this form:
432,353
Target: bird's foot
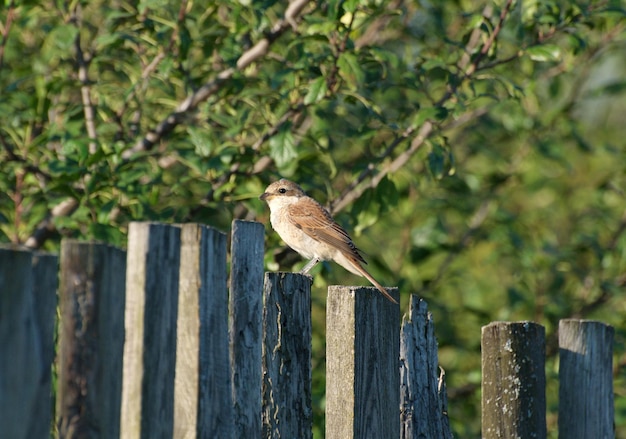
312,263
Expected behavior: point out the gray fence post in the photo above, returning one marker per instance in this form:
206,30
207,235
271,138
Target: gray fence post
202,394
513,380
28,283
585,380
362,364
152,282
423,399
91,339
287,409
246,329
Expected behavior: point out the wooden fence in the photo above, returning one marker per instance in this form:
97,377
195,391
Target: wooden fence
152,343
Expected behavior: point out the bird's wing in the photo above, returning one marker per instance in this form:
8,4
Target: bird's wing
309,216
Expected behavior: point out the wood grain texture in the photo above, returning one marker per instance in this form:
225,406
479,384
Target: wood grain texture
287,356
46,280
362,364
585,380
91,339
202,405
423,400
513,380
246,317
152,282
27,312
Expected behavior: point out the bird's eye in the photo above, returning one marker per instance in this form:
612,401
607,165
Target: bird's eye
282,190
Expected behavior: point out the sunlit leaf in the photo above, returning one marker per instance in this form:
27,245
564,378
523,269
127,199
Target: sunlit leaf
544,53
202,142
350,70
317,91
283,147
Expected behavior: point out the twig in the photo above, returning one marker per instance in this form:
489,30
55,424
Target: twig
349,196
331,79
46,228
338,203
85,89
614,239
18,200
487,47
372,35
13,157
474,39
6,30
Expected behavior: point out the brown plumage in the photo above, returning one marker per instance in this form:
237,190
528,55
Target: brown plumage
308,228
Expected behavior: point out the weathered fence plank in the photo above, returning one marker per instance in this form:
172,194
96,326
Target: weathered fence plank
46,279
287,409
152,282
362,364
585,380
27,312
246,317
91,340
202,397
423,400
513,380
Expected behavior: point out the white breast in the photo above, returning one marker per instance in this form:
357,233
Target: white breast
294,237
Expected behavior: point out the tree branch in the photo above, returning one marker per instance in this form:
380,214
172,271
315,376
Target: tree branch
253,54
492,38
46,228
85,89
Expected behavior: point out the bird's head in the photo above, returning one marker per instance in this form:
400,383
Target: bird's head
282,190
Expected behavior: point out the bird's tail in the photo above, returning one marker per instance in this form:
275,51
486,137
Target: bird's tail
369,277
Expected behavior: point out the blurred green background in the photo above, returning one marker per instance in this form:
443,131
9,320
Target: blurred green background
476,151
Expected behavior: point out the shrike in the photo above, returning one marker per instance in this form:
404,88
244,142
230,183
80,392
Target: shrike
308,228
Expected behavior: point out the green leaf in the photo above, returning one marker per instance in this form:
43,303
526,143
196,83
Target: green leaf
612,88
203,144
436,163
317,91
367,209
429,113
186,41
387,194
431,234
350,70
440,162
283,147
544,53
350,5
106,233
64,36
96,157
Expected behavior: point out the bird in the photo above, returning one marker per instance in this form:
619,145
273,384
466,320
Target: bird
309,229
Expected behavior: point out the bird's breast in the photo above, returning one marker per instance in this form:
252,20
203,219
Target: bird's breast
297,239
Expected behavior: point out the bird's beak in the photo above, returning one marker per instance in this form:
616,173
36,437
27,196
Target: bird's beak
264,196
